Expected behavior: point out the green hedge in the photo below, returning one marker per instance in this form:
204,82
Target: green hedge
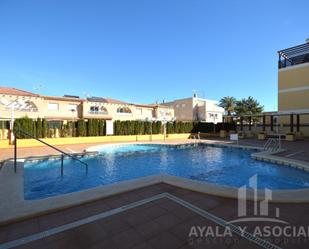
42,128
195,127
136,127
95,127
226,126
27,125
144,127
180,127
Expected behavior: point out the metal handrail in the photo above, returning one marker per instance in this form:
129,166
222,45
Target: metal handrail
273,144
49,145
268,144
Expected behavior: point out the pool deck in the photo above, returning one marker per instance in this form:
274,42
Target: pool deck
160,223
298,150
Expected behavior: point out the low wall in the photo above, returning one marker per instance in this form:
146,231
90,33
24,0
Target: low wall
281,129
81,140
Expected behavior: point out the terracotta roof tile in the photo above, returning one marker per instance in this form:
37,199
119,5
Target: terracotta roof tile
63,98
14,91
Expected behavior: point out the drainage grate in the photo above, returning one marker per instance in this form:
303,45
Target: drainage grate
221,222
203,213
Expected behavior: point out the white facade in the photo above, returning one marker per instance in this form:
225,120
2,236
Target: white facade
197,109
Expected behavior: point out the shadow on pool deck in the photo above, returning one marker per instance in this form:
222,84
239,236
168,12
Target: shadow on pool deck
158,224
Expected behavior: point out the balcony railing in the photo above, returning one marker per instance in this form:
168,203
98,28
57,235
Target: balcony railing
97,113
293,56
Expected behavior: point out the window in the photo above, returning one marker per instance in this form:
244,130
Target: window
98,110
72,107
125,110
183,105
103,110
53,106
94,108
212,115
177,106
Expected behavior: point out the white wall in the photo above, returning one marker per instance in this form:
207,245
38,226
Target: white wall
208,110
214,113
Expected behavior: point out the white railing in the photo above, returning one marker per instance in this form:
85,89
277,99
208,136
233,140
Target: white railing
273,144
196,138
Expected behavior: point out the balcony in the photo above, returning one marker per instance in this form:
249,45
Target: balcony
293,56
97,113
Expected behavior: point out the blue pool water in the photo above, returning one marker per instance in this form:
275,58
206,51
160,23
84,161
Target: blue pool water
219,165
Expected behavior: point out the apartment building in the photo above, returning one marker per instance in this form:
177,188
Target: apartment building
19,103
107,108
293,87
27,103
293,79
196,109
61,108
293,94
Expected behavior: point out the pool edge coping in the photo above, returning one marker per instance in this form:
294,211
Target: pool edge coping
23,209
20,209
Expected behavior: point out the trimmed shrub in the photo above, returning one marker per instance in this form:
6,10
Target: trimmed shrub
39,128
44,128
101,126
226,126
81,128
96,127
26,125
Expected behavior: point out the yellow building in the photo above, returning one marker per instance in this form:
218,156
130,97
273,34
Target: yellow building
293,87
293,79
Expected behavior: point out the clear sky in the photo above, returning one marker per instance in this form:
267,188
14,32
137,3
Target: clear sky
147,50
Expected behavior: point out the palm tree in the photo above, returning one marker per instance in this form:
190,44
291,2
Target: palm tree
249,106
241,107
228,103
253,106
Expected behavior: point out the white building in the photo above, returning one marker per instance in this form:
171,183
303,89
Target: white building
196,109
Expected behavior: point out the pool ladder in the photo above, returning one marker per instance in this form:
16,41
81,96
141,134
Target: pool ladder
272,144
196,138
16,132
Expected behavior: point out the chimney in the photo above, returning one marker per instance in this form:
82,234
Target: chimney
194,95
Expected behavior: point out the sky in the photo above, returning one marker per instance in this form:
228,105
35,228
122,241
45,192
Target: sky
144,51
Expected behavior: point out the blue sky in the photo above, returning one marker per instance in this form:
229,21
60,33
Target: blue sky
147,50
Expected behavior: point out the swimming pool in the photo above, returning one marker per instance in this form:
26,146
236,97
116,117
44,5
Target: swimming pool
219,165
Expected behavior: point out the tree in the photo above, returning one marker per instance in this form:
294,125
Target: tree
253,106
81,128
44,128
249,106
241,107
228,103
39,129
